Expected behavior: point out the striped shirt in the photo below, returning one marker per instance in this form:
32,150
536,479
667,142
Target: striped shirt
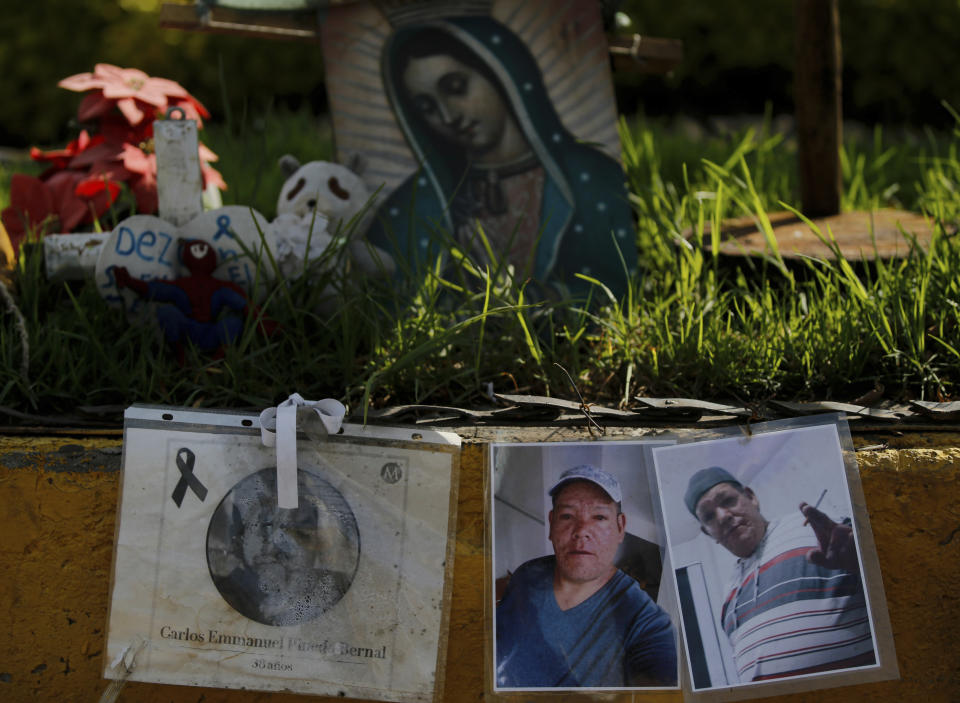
785,616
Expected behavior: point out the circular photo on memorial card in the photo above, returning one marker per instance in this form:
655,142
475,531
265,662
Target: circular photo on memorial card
282,566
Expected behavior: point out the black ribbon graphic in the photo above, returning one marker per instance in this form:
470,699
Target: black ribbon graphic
185,461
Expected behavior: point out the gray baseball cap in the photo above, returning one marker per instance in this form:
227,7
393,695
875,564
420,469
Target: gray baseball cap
585,472
703,481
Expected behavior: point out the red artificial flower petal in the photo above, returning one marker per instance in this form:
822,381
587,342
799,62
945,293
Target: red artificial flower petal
31,210
100,194
116,130
94,106
144,189
108,72
198,106
99,204
80,198
206,154
91,187
120,82
61,157
113,170
84,141
169,88
212,176
71,209
129,108
99,150
81,82
31,197
137,161
58,159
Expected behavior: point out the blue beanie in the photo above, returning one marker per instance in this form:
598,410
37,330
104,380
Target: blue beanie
703,481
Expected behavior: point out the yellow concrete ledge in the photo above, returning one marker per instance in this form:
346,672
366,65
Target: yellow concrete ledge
58,502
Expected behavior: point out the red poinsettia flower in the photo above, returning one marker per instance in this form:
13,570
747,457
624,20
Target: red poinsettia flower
85,178
61,203
137,95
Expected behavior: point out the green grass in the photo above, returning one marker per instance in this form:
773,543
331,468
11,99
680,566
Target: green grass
250,148
694,324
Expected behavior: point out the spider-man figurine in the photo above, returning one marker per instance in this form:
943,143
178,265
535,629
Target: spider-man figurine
205,310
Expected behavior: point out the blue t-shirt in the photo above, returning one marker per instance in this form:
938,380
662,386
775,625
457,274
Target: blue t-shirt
617,638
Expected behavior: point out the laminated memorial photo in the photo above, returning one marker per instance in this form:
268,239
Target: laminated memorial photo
215,584
576,562
489,126
767,546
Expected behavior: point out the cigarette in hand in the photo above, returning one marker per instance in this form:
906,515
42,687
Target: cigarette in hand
819,500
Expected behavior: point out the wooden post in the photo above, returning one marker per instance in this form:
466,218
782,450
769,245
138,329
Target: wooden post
818,105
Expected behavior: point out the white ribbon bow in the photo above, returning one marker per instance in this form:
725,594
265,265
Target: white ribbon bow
278,428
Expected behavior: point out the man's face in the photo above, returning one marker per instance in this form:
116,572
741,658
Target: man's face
732,517
282,544
585,530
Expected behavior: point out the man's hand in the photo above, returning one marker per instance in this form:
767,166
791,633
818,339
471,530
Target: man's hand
837,547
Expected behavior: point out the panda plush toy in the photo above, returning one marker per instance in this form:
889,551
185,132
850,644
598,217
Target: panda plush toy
322,201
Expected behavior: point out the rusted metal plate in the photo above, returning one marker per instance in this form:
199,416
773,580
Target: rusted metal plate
633,54
560,405
849,408
273,25
942,411
860,235
642,54
689,406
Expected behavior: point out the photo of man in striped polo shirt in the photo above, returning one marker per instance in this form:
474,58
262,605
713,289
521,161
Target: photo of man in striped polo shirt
795,604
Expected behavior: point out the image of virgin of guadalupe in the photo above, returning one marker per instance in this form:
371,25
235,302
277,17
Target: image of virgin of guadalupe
494,155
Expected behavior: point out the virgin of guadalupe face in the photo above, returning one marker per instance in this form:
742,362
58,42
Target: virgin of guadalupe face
461,105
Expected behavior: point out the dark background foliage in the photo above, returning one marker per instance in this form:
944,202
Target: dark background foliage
899,58
899,61
44,41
